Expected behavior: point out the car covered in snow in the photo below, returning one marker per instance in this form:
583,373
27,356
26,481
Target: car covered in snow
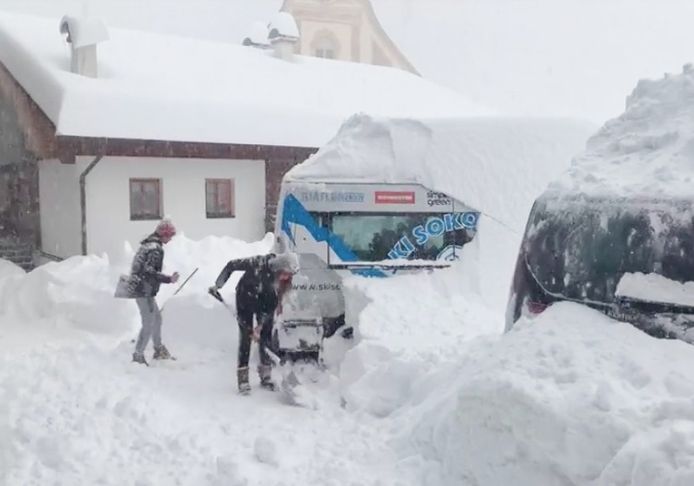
580,249
619,220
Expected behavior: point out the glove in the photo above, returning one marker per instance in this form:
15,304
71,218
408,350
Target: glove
214,292
174,277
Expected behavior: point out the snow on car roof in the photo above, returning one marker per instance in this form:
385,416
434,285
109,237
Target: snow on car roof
495,165
646,152
159,87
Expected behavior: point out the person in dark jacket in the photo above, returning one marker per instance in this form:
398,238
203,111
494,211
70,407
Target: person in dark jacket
258,294
145,279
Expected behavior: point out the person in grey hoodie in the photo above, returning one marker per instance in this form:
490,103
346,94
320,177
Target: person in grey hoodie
145,279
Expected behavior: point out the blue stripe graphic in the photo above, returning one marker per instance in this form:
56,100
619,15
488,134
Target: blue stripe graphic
293,212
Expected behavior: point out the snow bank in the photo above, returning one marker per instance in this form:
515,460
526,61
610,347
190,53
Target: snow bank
570,398
209,256
76,295
8,269
75,410
403,336
648,151
495,165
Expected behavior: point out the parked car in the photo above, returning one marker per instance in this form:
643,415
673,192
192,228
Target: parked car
577,248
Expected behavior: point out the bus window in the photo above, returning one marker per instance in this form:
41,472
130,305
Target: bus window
372,237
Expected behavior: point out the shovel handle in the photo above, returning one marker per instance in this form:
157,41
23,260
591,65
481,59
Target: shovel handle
186,281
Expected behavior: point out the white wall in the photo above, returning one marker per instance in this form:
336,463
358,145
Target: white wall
59,195
183,194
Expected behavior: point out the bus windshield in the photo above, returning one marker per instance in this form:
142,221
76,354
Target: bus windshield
414,236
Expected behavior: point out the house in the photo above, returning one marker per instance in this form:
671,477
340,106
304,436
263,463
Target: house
103,130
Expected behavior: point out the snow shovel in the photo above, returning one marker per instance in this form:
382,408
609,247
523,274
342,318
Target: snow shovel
291,390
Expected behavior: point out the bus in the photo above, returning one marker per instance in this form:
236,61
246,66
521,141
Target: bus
374,230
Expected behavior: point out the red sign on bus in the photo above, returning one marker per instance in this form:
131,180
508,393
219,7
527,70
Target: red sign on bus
394,197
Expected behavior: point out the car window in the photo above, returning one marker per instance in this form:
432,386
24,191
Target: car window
580,251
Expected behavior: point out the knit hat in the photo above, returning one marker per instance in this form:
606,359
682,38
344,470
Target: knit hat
285,262
165,228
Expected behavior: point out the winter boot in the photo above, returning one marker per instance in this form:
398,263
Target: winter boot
140,358
265,373
160,352
242,380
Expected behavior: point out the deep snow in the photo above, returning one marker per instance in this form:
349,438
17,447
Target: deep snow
74,410
646,152
496,165
570,398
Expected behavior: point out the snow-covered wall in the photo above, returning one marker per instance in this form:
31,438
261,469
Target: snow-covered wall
59,193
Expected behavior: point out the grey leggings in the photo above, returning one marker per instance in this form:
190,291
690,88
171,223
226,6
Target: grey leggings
151,323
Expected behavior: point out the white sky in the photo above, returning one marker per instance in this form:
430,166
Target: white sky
578,58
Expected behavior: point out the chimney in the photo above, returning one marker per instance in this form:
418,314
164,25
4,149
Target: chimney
83,34
283,35
257,36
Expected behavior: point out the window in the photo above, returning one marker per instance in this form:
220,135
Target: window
325,53
581,251
372,237
219,197
325,46
145,199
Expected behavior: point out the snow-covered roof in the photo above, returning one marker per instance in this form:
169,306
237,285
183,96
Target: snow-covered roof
647,151
159,87
495,165
215,20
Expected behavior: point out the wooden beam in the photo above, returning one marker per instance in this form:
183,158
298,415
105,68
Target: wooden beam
194,150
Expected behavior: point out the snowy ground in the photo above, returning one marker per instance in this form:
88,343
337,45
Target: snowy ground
432,394
74,410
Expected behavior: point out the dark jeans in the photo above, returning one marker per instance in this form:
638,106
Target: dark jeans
266,321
